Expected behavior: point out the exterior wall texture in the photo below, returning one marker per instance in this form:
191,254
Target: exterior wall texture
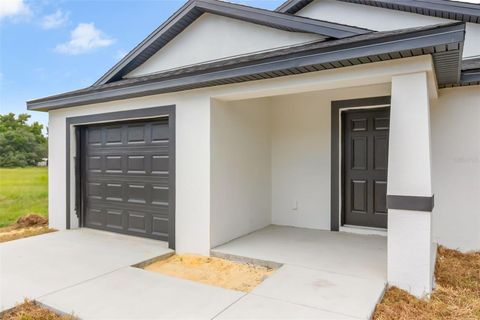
212,37
301,133
455,121
240,168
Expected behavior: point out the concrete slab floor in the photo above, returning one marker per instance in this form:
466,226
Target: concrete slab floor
339,252
35,266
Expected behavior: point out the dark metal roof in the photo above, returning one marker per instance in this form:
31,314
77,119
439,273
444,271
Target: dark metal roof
444,42
453,10
195,8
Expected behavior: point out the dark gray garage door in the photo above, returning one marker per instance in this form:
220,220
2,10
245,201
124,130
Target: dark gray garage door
126,175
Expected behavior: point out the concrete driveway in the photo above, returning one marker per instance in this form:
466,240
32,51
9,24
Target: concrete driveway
88,273
37,266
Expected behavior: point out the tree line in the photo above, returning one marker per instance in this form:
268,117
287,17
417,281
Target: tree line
21,144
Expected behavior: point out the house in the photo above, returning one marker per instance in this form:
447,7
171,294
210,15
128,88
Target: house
348,116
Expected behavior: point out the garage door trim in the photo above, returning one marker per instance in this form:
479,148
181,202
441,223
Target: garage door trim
73,123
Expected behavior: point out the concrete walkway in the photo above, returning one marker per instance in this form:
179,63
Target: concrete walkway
89,273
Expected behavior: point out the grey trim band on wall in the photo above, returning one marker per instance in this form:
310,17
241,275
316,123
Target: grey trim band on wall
412,203
335,150
146,113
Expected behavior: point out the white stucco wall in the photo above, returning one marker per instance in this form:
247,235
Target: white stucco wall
380,19
301,154
455,121
240,168
212,37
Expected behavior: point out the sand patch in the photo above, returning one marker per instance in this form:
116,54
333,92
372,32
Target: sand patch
213,271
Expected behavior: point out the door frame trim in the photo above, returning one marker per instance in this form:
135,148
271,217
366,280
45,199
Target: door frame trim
336,183
71,125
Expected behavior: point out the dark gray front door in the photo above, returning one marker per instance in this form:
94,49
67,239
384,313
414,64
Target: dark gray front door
126,171
365,164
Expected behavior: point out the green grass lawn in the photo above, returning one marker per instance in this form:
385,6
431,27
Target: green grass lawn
22,191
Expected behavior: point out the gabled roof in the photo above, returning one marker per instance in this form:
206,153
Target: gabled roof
453,10
444,42
195,8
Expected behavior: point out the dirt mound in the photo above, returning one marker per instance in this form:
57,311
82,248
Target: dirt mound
31,220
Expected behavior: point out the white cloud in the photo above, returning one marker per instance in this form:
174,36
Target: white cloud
14,9
84,38
55,20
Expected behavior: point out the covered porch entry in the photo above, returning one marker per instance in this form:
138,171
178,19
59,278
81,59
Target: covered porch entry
340,159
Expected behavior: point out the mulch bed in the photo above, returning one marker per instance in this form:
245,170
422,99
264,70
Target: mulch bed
32,310
456,296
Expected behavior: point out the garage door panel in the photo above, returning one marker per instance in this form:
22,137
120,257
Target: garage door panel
113,135
127,182
114,219
137,164
159,133
160,195
95,217
113,192
137,193
159,225
136,134
160,164
94,163
137,222
94,137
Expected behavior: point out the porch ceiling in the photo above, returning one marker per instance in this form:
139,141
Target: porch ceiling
444,42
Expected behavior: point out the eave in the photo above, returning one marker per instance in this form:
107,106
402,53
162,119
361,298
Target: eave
443,42
466,12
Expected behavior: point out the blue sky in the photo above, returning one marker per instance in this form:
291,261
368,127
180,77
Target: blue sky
49,47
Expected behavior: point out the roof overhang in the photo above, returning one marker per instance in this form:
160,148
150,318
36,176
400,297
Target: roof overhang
193,9
470,72
443,42
461,11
